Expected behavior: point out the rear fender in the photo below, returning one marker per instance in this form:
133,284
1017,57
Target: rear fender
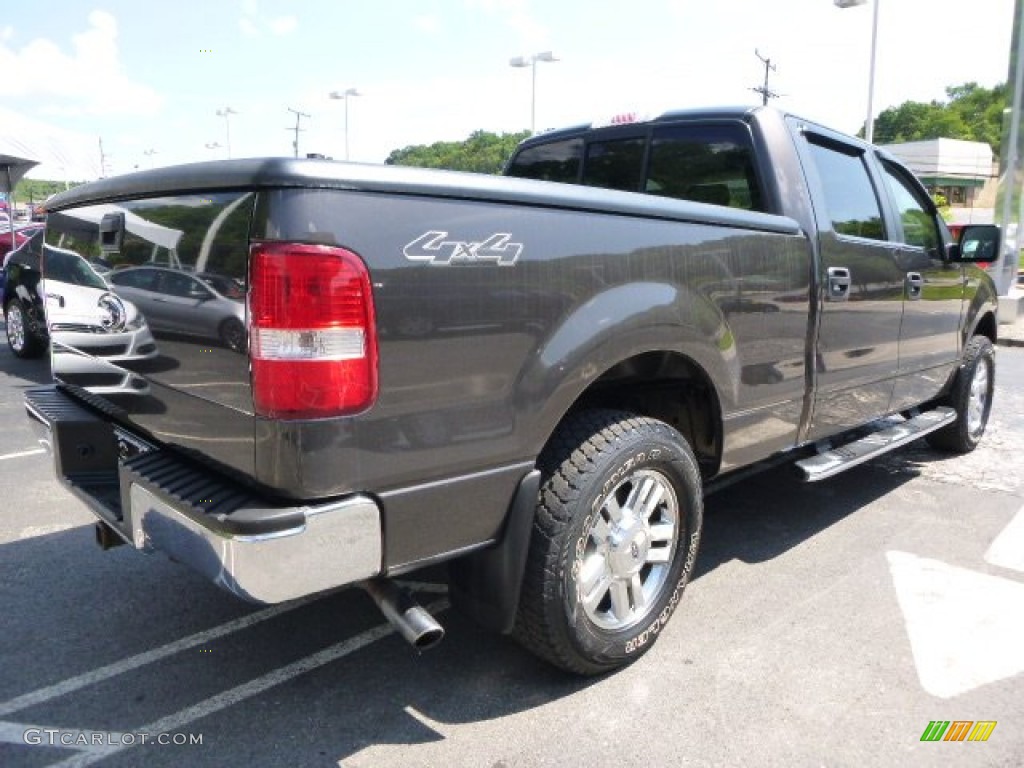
615,325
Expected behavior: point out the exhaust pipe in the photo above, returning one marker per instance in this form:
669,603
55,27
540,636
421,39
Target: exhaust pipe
107,537
405,614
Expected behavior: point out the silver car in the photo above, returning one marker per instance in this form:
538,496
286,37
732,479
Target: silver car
179,302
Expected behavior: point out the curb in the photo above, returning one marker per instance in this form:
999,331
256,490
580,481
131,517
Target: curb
1007,342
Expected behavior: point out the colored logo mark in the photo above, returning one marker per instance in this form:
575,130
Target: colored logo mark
958,730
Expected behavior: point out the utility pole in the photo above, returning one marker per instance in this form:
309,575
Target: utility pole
297,129
104,157
764,90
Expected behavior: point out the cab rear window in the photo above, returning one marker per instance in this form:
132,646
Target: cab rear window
557,161
705,162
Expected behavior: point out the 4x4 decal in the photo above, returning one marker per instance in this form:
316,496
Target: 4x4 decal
434,248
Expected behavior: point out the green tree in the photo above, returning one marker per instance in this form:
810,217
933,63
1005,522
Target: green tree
942,204
482,152
971,112
37,190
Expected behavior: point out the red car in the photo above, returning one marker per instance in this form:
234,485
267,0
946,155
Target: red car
21,234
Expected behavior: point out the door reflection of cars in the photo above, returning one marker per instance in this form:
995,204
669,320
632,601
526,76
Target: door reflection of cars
178,302
72,306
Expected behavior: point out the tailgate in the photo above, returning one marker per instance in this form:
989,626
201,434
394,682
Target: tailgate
167,351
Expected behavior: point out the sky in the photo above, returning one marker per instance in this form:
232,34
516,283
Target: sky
149,77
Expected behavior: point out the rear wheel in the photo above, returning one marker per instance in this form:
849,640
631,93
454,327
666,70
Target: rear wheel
971,396
22,338
232,333
614,541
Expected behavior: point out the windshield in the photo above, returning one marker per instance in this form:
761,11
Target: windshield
67,267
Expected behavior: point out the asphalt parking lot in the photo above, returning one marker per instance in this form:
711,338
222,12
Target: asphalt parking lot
827,625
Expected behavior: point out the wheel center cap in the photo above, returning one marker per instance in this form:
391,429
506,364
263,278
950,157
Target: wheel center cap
627,549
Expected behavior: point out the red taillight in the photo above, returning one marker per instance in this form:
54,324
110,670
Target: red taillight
312,335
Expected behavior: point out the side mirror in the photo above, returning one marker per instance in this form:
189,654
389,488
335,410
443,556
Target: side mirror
978,243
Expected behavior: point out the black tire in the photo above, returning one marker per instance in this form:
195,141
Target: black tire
971,396
232,333
22,336
593,465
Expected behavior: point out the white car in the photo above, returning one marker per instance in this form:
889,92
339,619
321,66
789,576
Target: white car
82,313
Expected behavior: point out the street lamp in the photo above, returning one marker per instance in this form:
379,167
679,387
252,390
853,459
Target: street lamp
531,61
226,114
149,153
344,96
869,124
213,145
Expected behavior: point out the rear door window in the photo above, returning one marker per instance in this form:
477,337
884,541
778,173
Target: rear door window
853,206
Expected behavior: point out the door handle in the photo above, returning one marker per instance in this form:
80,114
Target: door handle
838,284
915,283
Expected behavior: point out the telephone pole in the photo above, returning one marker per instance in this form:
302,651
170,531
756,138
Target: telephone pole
764,90
297,129
104,158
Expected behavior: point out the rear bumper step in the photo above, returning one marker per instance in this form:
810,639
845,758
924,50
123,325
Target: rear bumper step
835,460
157,500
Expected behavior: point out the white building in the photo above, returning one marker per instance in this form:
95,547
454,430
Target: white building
964,172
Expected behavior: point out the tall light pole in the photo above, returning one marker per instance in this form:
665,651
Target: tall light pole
531,61
344,96
226,114
869,124
149,153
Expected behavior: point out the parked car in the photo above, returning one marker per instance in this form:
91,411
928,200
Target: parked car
179,302
81,312
8,244
21,234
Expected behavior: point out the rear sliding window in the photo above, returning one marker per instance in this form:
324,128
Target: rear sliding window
615,164
706,163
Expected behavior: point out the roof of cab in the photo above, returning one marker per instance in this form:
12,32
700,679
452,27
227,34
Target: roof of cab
704,113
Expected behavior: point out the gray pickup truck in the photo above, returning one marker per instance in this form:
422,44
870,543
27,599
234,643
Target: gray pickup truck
534,378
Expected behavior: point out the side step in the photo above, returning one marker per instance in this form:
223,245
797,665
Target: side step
835,460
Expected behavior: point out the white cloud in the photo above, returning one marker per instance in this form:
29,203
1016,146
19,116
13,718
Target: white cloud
517,16
248,27
43,69
253,23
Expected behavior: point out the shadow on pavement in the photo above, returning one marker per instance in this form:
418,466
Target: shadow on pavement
97,608
35,371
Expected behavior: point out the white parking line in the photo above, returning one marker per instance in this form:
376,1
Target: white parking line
1007,551
181,718
148,657
20,454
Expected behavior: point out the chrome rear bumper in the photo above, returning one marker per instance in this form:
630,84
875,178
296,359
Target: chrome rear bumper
159,501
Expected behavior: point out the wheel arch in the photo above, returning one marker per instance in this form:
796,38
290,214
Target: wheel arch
666,385
984,325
